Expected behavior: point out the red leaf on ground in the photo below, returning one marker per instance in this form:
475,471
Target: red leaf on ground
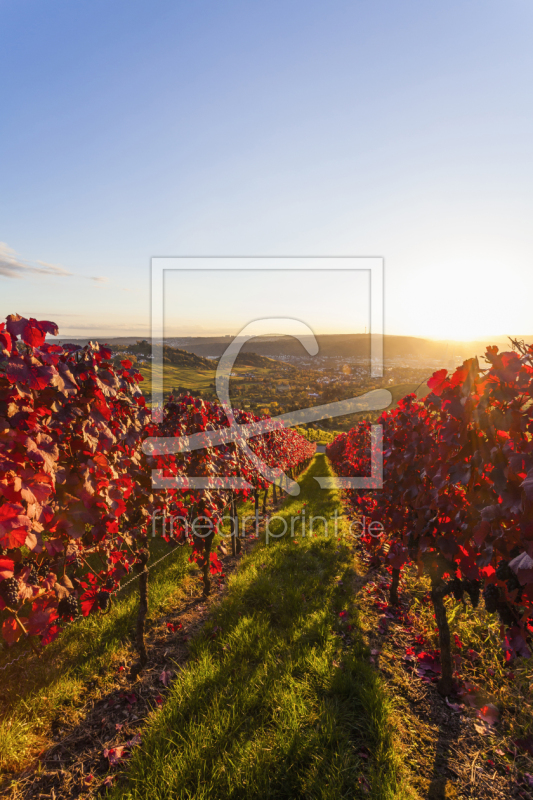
489,714
114,754
165,677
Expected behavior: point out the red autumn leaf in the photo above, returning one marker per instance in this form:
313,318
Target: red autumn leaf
34,332
461,373
48,327
37,488
527,485
64,380
15,324
89,602
6,568
50,354
52,634
30,372
40,619
114,754
101,460
216,565
488,714
42,450
14,525
6,344
11,630
492,354
438,381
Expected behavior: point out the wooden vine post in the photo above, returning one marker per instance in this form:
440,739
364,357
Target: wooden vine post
256,511
142,569
233,526
235,516
395,582
206,564
265,498
439,590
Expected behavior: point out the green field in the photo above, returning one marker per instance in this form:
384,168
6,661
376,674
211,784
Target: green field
197,380
401,389
175,376
202,381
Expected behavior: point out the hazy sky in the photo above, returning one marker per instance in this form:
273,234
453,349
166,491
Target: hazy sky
330,300
137,129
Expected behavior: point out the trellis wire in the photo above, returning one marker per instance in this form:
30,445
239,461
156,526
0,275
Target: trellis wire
77,619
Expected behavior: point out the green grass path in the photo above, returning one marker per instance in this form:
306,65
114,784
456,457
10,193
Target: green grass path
273,702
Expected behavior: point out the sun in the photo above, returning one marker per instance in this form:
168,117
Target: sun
459,326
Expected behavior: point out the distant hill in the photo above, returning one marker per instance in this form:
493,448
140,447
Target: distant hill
255,360
171,355
349,345
340,345
181,358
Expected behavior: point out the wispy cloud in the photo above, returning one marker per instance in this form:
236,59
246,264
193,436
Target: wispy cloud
12,266
102,330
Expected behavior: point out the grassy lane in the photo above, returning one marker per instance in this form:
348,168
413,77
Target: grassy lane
274,703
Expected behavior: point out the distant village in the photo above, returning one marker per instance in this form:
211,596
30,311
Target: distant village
284,383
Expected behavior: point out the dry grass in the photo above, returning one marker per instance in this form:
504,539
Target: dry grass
451,754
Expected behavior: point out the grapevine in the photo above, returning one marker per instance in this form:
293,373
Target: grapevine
457,497
77,505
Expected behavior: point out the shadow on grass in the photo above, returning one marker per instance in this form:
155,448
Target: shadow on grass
278,699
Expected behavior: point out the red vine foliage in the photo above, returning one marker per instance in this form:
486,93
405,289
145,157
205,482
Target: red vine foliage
76,497
458,486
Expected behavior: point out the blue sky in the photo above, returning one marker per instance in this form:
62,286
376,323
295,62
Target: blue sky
139,129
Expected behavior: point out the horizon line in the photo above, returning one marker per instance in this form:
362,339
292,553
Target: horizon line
146,336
